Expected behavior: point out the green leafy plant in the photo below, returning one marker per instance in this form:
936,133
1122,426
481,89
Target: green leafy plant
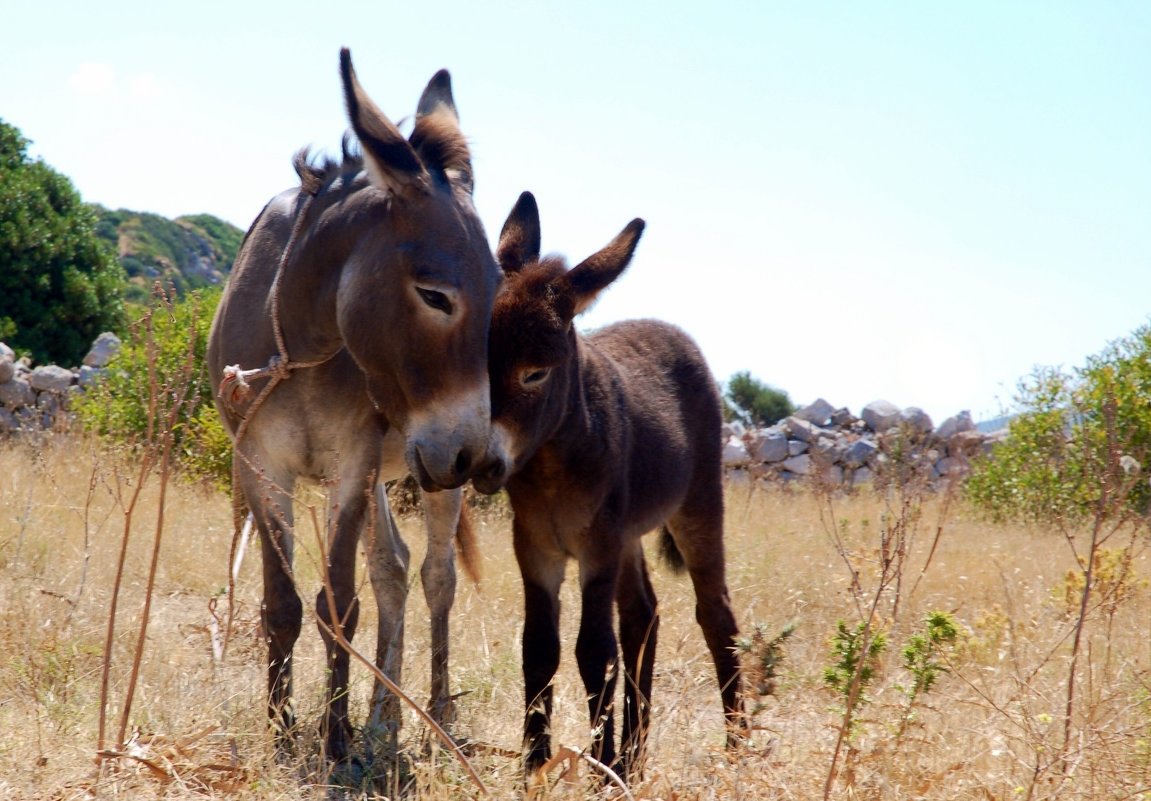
856,651
156,350
921,653
924,657
1048,468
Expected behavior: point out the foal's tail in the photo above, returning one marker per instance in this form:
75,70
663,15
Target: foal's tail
466,545
669,552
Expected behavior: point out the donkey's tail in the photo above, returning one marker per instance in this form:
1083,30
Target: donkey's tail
241,510
669,552
466,545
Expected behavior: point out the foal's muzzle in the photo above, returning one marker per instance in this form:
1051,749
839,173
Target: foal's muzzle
490,477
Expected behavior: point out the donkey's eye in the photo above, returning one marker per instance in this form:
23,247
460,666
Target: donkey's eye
535,375
435,299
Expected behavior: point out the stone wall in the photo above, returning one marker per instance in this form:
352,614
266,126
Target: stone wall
38,398
817,441
841,449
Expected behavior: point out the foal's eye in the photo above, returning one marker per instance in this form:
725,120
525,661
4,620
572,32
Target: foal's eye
435,299
533,376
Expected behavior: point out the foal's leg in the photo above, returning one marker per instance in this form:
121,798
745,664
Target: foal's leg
596,649
438,575
339,610
638,633
281,610
698,533
542,573
388,559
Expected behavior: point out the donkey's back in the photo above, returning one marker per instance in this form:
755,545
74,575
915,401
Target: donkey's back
652,378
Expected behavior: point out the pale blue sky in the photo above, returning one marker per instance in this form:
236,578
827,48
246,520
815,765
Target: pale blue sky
911,201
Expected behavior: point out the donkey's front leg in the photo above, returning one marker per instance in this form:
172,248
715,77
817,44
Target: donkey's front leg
542,574
438,575
338,611
388,559
597,655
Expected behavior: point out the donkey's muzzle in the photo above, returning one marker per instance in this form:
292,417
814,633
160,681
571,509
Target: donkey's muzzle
453,472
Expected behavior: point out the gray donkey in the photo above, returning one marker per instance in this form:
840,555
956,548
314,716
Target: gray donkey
350,348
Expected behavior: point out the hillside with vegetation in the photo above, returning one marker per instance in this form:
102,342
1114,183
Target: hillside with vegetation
188,252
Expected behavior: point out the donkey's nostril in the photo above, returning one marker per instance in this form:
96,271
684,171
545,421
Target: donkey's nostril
463,462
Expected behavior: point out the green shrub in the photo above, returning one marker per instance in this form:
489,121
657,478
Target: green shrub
1079,444
163,358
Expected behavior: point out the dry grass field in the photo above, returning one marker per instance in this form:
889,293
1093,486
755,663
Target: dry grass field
993,725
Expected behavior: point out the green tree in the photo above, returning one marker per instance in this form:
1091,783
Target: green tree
60,286
753,402
1079,437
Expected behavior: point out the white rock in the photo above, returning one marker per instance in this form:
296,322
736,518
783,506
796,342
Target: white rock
880,415
103,350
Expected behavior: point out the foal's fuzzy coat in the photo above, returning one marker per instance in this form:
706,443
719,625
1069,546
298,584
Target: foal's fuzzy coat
599,440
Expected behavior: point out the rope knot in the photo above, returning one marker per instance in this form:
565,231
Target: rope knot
279,367
234,387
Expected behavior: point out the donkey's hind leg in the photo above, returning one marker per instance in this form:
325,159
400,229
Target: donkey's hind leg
388,559
638,634
697,531
438,575
281,610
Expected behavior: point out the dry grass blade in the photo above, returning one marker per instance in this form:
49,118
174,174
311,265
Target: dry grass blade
569,758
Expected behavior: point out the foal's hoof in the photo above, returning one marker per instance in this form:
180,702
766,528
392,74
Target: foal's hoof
443,711
337,740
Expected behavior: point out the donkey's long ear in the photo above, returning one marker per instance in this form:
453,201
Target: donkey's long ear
520,238
390,161
586,280
437,138
438,94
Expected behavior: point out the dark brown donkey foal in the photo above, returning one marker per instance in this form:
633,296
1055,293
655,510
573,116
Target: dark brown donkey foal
599,440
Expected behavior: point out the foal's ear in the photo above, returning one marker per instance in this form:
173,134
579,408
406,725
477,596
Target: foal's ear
586,280
520,238
390,161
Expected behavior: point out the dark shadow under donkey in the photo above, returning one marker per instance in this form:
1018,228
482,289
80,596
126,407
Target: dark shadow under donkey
367,293
598,440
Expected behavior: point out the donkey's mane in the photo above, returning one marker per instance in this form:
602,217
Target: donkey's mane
319,172
436,138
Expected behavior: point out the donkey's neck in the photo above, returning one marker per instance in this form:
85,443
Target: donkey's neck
310,278
592,399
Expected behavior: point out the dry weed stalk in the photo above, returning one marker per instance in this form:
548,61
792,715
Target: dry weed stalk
877,577
166,400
